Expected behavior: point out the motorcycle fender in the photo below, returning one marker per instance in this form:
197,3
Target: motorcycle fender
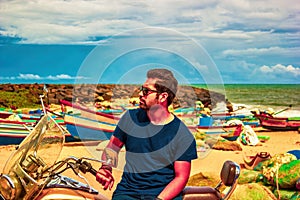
65,193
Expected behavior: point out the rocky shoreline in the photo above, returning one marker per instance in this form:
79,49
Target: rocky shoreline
85,93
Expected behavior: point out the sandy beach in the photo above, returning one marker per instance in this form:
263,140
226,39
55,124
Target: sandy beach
279,142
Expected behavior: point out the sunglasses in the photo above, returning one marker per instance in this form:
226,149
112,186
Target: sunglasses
146,91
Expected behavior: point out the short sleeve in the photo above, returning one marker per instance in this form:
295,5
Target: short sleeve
119,131
186,144
190,153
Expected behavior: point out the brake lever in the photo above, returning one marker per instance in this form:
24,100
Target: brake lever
74,167
83,166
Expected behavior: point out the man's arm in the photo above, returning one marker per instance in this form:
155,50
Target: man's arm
115,145
104,174
182,173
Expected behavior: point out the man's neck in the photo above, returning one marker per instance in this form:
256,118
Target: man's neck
160,116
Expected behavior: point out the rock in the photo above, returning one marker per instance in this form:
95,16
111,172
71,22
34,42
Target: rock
186,95
227,146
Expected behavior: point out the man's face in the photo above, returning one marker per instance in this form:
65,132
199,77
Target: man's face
148,95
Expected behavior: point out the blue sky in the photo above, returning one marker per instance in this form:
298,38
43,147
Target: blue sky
103,41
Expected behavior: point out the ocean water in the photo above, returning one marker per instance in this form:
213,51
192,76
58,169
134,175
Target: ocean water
265,96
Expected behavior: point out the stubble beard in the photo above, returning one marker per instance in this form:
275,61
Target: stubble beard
144,105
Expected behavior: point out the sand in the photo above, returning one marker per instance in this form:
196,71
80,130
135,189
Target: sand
280,142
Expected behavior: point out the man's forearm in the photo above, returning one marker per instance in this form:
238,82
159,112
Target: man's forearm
182,171
110,153
173,188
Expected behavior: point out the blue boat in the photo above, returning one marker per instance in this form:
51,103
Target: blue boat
86,129
14,132
228,120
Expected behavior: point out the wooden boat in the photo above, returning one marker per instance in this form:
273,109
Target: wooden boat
217,123
86,129
211,125
184,111
5,114
250,120
27,118
90,114
217,130
13,132
272,122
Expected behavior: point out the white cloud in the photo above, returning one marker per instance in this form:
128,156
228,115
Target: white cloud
28,77
50,21
290,51
61,76
38,77
281,70
59,21
64,77
276,74
244,72
231,30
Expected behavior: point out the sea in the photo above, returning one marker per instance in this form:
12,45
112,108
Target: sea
283,99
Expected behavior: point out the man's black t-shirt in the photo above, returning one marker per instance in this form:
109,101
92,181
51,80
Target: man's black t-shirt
151,151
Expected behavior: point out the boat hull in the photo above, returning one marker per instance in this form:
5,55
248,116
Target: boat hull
13,132
86,129
278,123
12,138
217,130
90,114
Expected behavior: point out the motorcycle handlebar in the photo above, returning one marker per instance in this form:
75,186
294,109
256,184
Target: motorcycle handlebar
84,166
87,167
93,171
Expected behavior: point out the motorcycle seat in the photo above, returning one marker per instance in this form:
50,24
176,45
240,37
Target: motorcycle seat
201,193
228,175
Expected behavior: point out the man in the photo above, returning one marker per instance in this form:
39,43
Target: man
159,147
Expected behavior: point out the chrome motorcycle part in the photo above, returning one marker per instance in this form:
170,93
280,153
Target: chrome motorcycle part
9,187
32,163
66,182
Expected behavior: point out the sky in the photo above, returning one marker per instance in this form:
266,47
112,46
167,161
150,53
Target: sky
108,41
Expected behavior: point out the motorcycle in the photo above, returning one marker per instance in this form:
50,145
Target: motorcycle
33,171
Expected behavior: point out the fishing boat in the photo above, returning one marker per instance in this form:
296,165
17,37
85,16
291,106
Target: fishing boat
79,110
229,131
232,119
86,129
13,132
5,114
27,118
184,111
272,122
209,125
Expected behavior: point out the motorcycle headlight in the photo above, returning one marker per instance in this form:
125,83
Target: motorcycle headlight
7,187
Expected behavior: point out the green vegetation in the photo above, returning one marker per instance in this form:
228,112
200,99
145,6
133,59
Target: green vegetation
19,99
250,191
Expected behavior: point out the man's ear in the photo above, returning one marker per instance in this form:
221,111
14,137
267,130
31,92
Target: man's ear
163,97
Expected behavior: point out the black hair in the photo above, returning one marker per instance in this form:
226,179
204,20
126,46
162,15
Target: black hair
166,82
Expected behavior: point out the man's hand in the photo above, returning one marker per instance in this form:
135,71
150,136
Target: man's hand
104,177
